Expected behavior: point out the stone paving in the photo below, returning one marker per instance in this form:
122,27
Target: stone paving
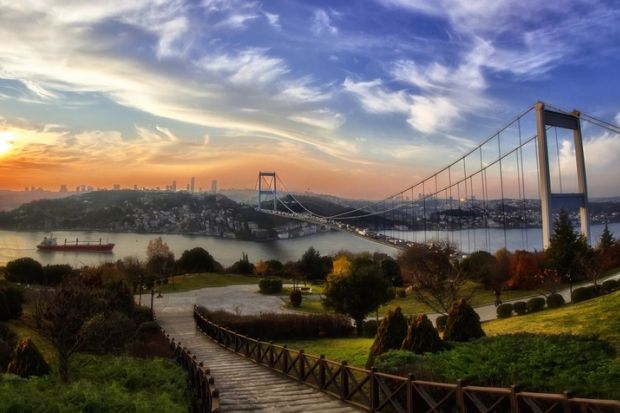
243,385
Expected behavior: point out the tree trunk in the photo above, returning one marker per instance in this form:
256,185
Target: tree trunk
63,366
359,325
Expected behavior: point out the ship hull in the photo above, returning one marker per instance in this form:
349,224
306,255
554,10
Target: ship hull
78,248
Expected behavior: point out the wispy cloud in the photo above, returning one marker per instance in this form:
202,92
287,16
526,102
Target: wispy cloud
249,66
375,98
322,118
322,23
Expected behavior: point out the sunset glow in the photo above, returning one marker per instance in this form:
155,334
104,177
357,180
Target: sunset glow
357,99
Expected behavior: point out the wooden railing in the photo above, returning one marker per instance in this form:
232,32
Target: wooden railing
206,396
378,392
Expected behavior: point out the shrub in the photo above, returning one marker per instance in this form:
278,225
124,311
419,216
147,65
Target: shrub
196,260
8,339
270,285
24,270
535,304
271,326
441,321
504,310
583,293
141,314
555,301
463,323
147,328
390,334
54,274
14,298
119,297
295,297
27,360
609,286
421,336
107,333
370,328
401,293
520,307
5,313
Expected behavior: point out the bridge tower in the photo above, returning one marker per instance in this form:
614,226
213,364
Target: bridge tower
267,186
548,200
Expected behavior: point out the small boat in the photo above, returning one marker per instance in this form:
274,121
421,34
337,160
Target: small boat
50,244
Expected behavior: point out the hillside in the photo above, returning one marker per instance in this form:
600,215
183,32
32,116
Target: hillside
138,211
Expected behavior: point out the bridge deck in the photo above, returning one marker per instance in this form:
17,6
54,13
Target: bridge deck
243,385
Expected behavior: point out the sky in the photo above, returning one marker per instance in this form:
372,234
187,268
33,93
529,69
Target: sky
354,98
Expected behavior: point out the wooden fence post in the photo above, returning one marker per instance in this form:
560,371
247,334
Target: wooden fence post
302,365
322,371
344,380
460,397
409,386
514,400
374,390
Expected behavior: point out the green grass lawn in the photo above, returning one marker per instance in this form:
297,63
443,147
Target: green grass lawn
353,350
101,384
189,282
597,316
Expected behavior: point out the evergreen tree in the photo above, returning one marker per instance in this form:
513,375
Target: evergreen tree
565,248
463,323
422,336
607,240
390,334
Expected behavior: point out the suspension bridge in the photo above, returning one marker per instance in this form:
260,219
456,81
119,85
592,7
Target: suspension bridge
491,197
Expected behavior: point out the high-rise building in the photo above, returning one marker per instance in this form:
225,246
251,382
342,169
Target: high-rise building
63,188
117,187
214,186
192,185
174,186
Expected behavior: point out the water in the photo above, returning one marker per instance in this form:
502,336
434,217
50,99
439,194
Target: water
493,239
15,244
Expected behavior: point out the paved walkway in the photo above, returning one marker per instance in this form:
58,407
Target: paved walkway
243,385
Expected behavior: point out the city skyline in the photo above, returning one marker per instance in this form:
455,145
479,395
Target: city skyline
356,99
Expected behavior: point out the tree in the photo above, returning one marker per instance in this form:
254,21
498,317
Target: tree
357,292
260,268
135,273
274,268
564,249
27,360
606,241
434,275
482,267
61,315
160,259
314,267
24,270
243,266
525,267
391,271
196,260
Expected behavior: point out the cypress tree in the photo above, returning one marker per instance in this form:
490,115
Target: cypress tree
390,334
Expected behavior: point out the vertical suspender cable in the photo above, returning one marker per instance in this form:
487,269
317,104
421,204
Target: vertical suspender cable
501,181
557,150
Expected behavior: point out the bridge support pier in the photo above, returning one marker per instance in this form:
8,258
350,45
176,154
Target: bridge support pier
548,200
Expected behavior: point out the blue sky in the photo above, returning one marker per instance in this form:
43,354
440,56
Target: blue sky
354,98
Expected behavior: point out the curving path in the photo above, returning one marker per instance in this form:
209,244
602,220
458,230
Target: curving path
243,385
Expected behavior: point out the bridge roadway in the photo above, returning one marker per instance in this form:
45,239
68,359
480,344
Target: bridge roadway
243,385
389,241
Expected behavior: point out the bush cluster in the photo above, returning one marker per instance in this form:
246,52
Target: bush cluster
584,293
421,336
271,326
520,307
270,285
29,271
441,321
609,286
535,304
555,301
504,310
27,360
295,297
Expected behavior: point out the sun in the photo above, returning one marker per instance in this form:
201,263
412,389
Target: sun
5,142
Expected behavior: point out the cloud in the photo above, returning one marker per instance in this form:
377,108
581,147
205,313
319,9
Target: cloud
301,90
322,118
617,119
236,21
375,98
249,66
322,24
273,19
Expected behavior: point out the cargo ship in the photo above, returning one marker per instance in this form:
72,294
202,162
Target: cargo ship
50,244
